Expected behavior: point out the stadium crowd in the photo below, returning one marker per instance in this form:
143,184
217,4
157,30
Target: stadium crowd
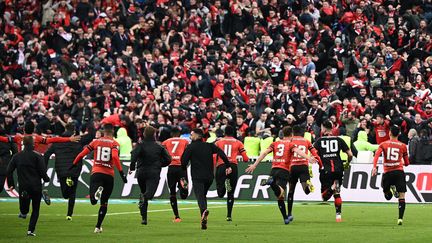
256,65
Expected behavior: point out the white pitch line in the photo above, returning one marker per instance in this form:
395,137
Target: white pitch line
134,212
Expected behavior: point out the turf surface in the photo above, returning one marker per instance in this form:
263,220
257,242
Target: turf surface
252,222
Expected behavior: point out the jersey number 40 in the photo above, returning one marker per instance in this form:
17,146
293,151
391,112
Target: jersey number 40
331,146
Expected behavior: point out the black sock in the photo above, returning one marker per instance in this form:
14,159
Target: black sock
282,208
101,215
71,205
307,190
401,208
338,203
290,203
388,195
173,201
143,209
276,189
230,204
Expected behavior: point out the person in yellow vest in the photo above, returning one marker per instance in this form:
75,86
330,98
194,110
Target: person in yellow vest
362,143
264,144
252,145
125,144
347,139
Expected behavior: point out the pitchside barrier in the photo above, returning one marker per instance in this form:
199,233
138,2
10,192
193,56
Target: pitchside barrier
358,185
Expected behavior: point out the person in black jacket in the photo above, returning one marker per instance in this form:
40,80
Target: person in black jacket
31,169
65,153
200,156
6,152
150,157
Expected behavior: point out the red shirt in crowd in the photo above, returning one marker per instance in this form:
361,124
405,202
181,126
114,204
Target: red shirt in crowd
382,131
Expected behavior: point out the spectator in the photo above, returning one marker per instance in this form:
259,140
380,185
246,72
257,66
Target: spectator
177,64
362,143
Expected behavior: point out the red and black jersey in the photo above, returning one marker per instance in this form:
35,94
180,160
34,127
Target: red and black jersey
282,153
175,147
329,148
305,146
106,155
395,155
232,148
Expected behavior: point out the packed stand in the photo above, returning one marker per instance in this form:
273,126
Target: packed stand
257,65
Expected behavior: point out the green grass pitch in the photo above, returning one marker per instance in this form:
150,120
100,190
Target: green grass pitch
252,222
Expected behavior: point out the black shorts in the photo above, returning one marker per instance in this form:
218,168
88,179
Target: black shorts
280,177
396,178
66,190
148,182
175,173
221,176
327,179
299,172
104,180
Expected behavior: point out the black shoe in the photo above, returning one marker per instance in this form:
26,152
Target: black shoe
204,219
267,182
29,233
229,219
144,222
46,197
22,216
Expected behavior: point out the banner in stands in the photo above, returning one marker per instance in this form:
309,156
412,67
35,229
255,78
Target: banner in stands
358,185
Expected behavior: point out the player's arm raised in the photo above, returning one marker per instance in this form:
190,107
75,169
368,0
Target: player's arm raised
250,169
61,139
375,160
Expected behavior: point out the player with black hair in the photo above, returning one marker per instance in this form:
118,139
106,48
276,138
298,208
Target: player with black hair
65,153
177,176
299,170
395,157
332,169
31,170
106,157
282,150
200,155
227,183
